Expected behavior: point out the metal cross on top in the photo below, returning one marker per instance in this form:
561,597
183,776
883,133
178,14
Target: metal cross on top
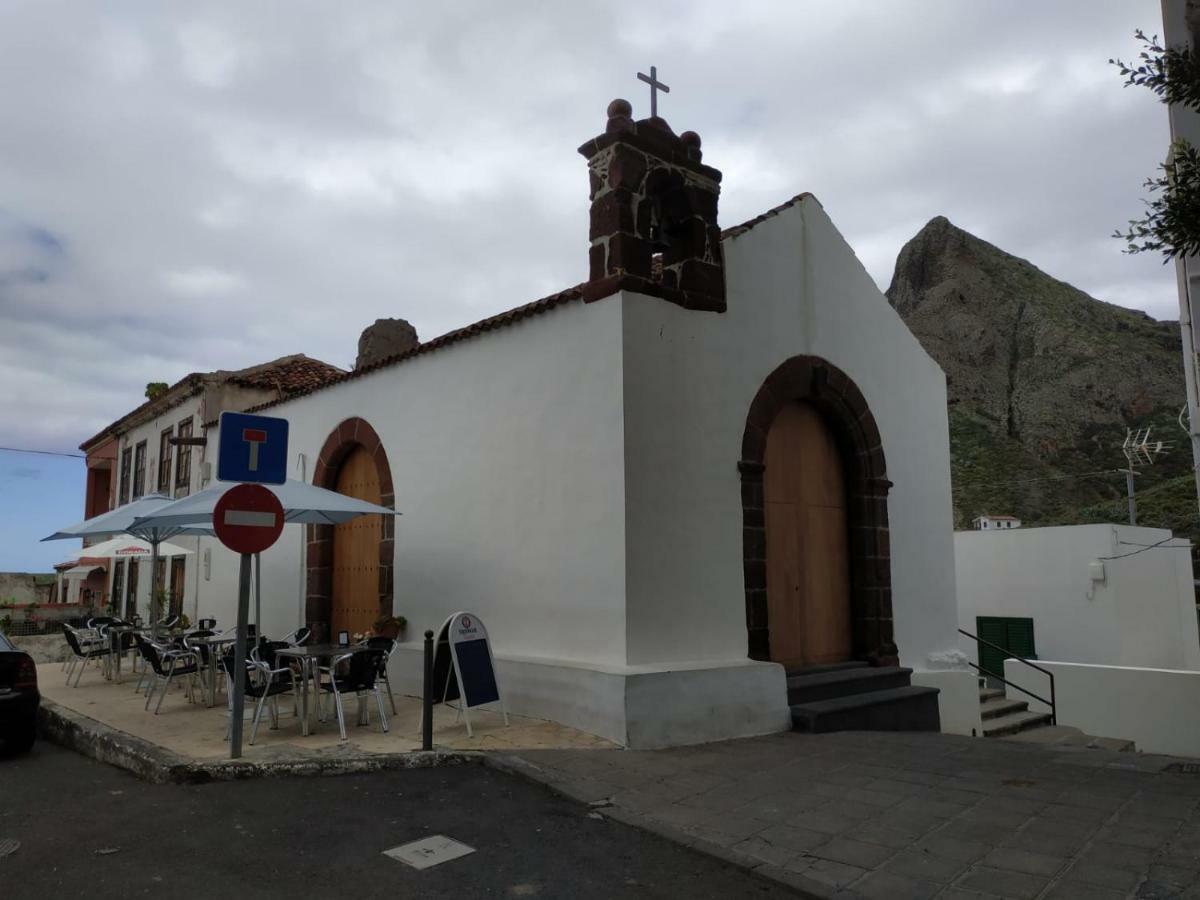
655,87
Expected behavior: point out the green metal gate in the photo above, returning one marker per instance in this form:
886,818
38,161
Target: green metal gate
1014,634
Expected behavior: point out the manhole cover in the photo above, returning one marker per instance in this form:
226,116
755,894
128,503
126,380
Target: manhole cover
8,847
429,852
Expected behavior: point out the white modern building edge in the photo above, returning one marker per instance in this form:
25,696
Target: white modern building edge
623,480
1117,595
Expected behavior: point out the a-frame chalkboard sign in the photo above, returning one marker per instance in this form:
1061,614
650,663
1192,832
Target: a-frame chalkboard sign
463,668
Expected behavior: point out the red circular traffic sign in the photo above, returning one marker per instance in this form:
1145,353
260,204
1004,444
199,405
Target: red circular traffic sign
248,518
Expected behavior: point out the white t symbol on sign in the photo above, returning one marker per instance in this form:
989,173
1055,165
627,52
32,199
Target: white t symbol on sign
254,437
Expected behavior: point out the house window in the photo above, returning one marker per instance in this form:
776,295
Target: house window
131,590
178,575
126,458
139,470
183,468
118,585
164,462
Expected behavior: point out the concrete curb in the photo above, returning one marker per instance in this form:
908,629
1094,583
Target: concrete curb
152,763
805,887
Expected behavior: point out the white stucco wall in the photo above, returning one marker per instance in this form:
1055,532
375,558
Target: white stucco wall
794,287
1142,614
1154,708
506,459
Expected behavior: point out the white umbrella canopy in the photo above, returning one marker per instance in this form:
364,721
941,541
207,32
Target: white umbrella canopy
127,546
116,521
303,503
124,521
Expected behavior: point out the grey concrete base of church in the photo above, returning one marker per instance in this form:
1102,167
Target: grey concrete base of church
640,707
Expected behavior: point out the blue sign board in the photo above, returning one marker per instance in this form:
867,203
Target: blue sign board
252,448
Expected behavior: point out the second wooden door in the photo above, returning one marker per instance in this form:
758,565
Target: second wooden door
356,550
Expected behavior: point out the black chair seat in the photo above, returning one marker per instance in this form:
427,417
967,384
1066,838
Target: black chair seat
270,689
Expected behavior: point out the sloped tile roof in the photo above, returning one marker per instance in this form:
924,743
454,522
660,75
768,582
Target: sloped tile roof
501,320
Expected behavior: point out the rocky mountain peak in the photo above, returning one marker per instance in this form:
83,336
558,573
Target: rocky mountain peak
1041,377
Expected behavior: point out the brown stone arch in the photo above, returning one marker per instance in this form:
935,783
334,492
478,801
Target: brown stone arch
827,388
351,433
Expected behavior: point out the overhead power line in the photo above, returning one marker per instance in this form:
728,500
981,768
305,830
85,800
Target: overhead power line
44,452
1097,474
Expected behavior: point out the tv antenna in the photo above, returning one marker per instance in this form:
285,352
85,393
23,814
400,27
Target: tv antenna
1140,450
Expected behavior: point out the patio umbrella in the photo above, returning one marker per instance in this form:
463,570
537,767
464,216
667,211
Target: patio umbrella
127,546
124,520
302,503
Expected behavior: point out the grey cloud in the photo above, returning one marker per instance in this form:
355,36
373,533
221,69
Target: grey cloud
221,184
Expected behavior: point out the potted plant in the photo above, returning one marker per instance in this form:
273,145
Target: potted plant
390,627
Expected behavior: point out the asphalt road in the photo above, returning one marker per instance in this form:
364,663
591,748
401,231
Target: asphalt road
89,830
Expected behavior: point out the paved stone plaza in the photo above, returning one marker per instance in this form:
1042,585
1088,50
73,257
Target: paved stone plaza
899,816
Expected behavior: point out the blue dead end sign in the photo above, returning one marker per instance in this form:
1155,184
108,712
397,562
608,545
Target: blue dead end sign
252,449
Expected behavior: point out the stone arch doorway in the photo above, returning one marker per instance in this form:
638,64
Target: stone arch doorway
809,408
350,566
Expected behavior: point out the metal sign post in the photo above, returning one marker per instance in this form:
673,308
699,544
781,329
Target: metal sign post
239,659
247,519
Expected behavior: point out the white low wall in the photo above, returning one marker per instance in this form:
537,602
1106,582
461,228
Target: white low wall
1155,708
1137,609
640,707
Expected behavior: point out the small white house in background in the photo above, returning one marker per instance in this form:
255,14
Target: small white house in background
1115,595
995,523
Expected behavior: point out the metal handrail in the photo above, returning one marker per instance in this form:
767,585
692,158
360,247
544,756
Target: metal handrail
1051,702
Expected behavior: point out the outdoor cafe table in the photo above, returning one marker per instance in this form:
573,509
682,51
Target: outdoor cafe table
310,659
213,642
114,633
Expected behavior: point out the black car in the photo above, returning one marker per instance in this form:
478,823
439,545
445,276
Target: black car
19,697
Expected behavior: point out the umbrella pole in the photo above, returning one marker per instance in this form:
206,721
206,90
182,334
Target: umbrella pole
153,586
258,594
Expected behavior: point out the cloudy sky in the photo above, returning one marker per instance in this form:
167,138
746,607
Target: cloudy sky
188,186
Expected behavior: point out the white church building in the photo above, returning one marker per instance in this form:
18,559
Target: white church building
721,459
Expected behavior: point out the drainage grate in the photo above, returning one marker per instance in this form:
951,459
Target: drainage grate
429,852
8,847
1183,768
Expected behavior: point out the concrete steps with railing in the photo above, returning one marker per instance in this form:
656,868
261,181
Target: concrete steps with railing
1012,720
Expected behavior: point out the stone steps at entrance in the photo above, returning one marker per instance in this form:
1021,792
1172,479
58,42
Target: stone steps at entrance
897,709
856,696
824,685
826,667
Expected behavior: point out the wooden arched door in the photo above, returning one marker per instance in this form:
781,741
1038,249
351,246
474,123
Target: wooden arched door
808,560
355,572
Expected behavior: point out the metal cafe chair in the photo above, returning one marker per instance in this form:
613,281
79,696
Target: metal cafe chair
361,676
388,645
167,663
85,649
263,683
297,637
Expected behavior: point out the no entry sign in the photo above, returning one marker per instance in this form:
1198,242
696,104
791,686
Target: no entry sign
248,518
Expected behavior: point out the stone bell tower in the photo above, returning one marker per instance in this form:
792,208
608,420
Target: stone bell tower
653,200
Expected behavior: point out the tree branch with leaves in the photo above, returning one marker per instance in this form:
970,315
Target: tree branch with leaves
1171,223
